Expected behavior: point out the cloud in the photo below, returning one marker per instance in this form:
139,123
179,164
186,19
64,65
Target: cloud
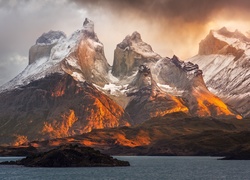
182,10
175,24
22,22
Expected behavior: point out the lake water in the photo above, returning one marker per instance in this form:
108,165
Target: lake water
142,167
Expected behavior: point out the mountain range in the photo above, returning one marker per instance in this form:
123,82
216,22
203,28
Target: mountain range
69,89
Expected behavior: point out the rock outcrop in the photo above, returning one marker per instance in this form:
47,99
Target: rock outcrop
131,53
148,100
175,73
69,156
89,55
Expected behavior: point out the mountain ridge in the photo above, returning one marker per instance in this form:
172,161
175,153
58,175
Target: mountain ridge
140,86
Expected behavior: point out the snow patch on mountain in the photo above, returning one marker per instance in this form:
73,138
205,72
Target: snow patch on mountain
115,89
209,61
171,90
78,76
66,46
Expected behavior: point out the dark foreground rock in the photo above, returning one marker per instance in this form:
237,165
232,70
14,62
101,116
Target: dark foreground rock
238,154
69,156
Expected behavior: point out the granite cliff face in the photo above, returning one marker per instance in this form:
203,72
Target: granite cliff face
131,53
89,55
226,68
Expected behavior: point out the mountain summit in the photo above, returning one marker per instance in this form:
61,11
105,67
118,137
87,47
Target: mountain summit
88,25
224,42
130,54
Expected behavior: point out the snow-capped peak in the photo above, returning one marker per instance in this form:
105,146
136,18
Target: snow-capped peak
54,53
229,34
225,42
234,39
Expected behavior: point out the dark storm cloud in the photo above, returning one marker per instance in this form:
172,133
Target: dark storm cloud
183,10
181,24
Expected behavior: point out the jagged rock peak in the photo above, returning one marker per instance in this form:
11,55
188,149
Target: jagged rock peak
143,81
131,53
144,69
229,34
224,42
188,67
50,37
130,39
223,30
135,37
88,25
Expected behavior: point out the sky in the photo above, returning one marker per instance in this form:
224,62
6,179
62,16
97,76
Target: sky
169,26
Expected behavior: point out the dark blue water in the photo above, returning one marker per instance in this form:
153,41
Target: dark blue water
146,168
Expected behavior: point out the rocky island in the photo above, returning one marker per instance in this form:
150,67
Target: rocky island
69,156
